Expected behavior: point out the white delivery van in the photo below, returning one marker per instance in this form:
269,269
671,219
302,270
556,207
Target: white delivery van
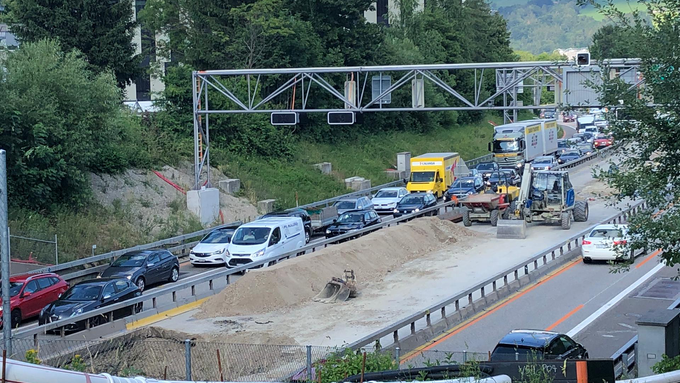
264,239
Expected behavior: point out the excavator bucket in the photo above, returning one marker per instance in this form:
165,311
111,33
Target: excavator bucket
511,229
338,289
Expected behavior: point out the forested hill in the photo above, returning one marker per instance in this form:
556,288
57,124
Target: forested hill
545,25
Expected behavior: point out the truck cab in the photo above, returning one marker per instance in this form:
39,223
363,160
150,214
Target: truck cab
434,172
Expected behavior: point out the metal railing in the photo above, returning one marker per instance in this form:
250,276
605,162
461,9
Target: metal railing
597,154
478,160
456,307
201,285
625,359
180,240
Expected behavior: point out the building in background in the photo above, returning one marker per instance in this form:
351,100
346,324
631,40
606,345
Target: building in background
148,86
383,8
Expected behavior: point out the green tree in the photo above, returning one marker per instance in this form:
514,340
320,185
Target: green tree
615,41
648,147
101,30
61,120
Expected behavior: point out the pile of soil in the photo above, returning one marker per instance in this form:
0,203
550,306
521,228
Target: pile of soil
298,280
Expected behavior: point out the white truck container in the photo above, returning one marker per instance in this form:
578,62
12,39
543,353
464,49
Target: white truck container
521,142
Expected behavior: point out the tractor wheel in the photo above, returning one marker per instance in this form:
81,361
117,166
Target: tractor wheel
466,217
566,220
493,217
510,210
581,211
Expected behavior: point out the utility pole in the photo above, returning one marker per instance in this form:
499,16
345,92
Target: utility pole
4,255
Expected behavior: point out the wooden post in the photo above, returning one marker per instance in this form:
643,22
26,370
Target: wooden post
363,367
219,365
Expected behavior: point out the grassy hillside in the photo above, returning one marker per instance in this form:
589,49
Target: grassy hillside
543,25
368,158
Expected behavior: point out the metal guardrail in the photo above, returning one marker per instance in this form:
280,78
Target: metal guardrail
597,154
478,160
453,306
205,284
625,358
181,239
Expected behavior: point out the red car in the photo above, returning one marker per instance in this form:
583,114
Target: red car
603,142
569,117
30,293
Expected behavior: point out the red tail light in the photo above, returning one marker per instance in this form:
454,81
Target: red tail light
620,242
587,242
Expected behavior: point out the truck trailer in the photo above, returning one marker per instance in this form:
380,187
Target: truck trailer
521,142
435,172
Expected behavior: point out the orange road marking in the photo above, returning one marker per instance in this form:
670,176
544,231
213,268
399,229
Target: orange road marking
570,313
648,258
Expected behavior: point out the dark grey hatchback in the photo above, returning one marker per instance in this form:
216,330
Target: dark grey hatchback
144,267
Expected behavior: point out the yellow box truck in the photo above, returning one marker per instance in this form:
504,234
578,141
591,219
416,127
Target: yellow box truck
435,172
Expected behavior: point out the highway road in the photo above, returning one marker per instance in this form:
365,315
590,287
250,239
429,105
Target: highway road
596,307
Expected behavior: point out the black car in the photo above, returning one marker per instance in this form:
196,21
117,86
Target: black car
296,212
90,295
586,148
351,221
415,202
530,345
505,176
486,168
144,267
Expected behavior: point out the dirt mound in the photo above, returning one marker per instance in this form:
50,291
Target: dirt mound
299,279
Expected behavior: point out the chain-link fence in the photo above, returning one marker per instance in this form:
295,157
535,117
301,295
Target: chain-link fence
158,354
34,248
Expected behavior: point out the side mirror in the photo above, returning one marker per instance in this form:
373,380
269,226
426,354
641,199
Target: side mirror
25,294
335,220
150,264
489,146
105,297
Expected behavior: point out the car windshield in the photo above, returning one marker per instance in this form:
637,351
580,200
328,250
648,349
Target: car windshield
387,194
218,236
412,199
542,161
545,181
606,233
486,166
250,236
14,288
571,153
84,292
512,353
351,218
422,176
505,146
562,144
464,184
345,204
129,260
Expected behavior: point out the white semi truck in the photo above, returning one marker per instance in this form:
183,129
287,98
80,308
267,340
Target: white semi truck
521,142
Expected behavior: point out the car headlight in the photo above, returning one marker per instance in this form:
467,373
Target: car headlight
77,312
519,165
396,211
99,275
259,253
468,193
217,252
417,210
328,231
129,277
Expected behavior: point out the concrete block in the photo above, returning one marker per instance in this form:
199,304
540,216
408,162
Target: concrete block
230,185
511,229
361,184
350,181
205,203
396,174
265,206
404,162
324,167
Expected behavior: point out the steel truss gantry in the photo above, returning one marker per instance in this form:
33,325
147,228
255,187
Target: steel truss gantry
351,89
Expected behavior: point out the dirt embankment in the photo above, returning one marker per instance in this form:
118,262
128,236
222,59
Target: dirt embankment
297,280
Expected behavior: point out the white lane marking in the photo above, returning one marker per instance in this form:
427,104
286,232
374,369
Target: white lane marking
614,301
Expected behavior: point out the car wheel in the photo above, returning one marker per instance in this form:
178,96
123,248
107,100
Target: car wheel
307,236
16,318
141,283
566,220
174,274
466,217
